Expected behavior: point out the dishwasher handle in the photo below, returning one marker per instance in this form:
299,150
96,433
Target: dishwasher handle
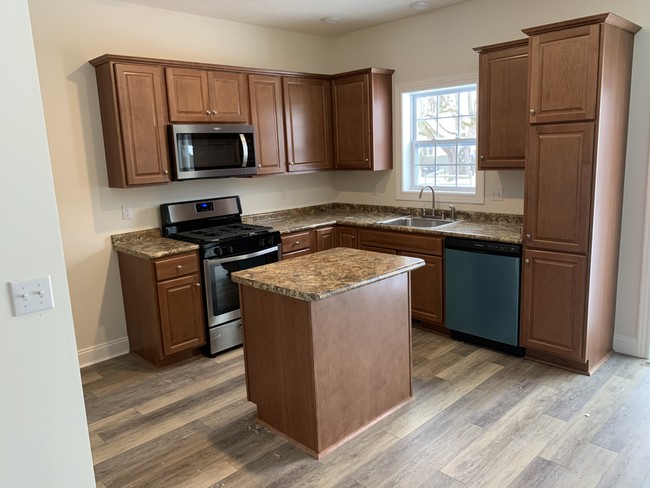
485,247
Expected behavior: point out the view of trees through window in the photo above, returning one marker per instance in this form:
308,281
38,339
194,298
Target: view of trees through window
443,139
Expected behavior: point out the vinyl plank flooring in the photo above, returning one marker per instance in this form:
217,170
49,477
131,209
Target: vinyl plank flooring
479,419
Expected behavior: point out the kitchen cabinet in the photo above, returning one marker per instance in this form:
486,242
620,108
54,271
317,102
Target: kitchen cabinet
564,73
574,188
554,302
362,111
427,305
324,238
197,95
308,123
503,105
297,244
134,118
163,303
346,237
267,117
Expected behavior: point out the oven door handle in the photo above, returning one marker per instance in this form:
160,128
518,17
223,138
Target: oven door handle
241,257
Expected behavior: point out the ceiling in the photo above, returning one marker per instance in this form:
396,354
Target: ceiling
302,15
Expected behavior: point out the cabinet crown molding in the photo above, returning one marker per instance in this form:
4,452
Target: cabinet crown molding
605,18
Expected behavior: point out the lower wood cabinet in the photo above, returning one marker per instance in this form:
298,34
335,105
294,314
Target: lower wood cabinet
553,304
163,303
346,237
427,293
297,244
324,238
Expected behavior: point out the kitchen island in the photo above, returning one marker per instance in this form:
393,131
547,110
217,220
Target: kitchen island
327,343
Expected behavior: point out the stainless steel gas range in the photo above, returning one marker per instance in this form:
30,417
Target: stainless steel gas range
226,245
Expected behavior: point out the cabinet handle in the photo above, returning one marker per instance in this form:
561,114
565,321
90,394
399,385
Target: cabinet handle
528,236
527,261
482,157
532,111
208,112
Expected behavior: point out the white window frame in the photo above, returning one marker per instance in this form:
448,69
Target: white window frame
403,138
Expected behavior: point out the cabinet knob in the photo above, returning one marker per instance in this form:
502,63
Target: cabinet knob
481,157
528,236
259,165
527,261
532,111
214,112
179,267
291,162
208,112
367,160
165,172
296,243
198,285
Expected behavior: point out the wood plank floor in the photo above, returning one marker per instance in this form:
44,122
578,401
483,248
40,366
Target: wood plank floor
479,419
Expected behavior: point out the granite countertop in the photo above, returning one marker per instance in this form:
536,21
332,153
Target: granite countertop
327,273
149,244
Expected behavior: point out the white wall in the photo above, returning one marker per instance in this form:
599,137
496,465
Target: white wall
42,418
67,33
439,45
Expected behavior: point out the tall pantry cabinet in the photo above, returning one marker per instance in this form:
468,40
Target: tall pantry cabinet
579,89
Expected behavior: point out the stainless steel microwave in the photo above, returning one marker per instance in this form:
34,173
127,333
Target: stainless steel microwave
213,151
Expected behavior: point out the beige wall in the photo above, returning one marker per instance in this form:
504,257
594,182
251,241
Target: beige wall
68,33
42,418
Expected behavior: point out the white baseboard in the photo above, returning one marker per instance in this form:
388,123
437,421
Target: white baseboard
102,352
626,345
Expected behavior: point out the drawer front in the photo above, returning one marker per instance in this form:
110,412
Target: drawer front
295,254
173,267
296,242
401,241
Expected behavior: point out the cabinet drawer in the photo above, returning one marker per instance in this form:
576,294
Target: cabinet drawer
296,242
173,267
295,254
401,241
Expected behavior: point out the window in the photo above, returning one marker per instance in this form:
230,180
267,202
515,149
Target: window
438,142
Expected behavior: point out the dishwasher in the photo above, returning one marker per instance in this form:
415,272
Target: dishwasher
482,293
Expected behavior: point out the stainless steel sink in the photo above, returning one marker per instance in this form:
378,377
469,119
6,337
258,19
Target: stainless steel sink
416,222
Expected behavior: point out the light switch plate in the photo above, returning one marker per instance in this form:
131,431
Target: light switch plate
32,295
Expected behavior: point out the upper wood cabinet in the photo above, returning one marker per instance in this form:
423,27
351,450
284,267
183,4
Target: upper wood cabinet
362,102
564,74
267,117
196,95
308,123
558,191
503,107
134,117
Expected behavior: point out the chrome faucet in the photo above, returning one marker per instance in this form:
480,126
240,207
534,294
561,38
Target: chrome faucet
452,211
433,200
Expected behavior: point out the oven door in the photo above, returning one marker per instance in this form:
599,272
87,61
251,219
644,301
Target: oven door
222,294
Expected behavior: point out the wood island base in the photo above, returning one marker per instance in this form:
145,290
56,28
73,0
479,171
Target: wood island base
321,372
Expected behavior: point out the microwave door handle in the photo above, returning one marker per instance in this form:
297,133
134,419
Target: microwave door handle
244,151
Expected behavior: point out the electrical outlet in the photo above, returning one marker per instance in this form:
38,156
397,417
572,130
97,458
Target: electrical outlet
32,295
127,212
497,194
283,194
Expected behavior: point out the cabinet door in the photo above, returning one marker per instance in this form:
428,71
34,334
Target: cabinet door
141,104
266,116
352,136
308,123
564,75
426,288
503,107
553,303
347,237
558,187
187,95
324,238
228,95
181,313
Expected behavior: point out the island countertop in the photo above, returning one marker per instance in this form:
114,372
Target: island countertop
327,273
